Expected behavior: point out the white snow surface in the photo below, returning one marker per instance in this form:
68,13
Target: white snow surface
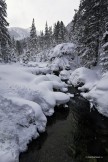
84,76
25,101
65,74
61,49
99,95
97,87
59,57
63,56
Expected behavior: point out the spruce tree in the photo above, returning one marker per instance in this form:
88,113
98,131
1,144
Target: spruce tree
103,60
19,49
50,36
33,39
41,41
4,35
60,33
14,54
87,29
63,33
55,34
6,53
46,38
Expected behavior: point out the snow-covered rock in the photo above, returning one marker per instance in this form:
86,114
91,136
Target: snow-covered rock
65,75
85,77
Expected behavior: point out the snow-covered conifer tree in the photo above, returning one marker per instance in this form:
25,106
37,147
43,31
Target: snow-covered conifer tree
46,37
33,39
4,35
87,29
104,51
6,53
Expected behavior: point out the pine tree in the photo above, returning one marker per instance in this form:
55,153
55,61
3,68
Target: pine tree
103,61
4,35
33,39
50,36
19,49
41,41
6,53
14,54
60,33
63,32
46,38
0,54
87,29
55,34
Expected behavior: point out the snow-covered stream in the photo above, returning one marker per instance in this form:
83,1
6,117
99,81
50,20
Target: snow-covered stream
29,94
72,135
25,101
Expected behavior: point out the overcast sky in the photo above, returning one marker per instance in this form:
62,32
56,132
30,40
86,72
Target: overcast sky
21,12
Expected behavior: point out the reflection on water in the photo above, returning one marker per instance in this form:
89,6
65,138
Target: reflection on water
72,135
89,140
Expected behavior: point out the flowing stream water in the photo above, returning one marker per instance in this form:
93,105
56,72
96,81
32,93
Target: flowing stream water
74,134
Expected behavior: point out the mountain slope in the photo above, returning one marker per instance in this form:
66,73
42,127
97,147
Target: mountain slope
19,33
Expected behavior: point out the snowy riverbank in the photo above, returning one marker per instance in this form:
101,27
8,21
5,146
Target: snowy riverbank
93,86
27,97
25,101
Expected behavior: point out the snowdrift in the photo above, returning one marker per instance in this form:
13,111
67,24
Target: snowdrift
25,101
96,86
85,78
99,95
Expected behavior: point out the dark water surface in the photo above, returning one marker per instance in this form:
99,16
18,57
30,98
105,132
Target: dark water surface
77,134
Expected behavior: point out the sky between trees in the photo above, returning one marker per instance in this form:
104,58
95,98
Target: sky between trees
21,12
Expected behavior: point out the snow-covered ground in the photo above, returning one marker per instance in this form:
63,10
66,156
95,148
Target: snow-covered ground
96,86
27,95
25,101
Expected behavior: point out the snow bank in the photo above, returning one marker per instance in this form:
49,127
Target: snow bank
85,77
25,99
14,120
99,95
97,87
38,70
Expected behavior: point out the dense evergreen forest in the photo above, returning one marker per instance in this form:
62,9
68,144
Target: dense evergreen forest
88,30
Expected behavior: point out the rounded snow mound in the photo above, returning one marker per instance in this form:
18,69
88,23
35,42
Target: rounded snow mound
62,49
99,95
85,77
25,101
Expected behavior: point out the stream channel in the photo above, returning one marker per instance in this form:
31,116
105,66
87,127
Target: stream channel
74,134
